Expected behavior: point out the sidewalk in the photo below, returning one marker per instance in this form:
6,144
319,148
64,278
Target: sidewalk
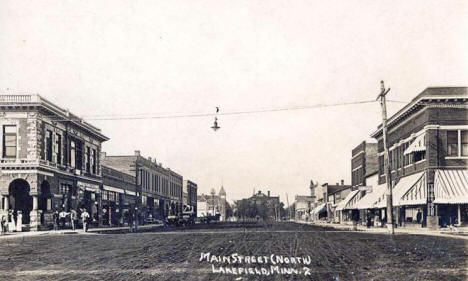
461,232
91,231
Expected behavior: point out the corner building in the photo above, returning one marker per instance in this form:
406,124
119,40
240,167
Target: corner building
49,160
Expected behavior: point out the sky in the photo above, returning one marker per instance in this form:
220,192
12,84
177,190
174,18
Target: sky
153,58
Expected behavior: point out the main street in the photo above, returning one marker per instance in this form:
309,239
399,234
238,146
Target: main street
178,255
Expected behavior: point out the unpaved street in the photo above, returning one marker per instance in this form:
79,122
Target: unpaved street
176,256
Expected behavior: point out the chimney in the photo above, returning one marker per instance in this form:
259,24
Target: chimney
342,182
137,153
268,193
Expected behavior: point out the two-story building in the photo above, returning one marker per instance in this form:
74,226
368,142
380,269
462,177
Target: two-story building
158,189
303,206
364,161
118,196
190,189
49,160
428,144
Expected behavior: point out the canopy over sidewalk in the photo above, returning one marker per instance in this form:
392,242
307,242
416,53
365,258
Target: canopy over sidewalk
451,186
370,200
343,203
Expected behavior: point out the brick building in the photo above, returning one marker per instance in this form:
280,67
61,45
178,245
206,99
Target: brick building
268,206
190,188
428,144
364,161
118,195
158,189
49,160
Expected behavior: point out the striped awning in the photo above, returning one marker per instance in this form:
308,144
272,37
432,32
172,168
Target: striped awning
417,145
319,209
370,200
451,186
410,190
343,203
413,193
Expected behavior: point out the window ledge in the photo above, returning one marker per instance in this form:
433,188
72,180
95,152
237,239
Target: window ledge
420,161
456,157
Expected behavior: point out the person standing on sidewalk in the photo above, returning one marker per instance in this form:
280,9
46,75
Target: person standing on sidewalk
55,218
73,219
63,218
85,220
3,223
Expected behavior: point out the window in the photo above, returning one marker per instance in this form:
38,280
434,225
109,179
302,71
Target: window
72,154
79,155
452,143
419,156
49,150
9,141
58,143
457,143
464,143
88,159
93,164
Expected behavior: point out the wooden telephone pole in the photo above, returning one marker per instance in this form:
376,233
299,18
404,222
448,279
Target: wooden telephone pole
387,168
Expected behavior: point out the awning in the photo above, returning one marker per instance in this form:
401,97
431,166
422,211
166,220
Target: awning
113,189
411,190
370,200
417,145
451,186
352,203
128,192
319,209
342,204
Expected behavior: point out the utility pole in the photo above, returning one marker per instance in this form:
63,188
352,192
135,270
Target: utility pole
387,168
289,208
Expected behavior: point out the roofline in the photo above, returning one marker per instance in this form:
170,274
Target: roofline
38,100
414,102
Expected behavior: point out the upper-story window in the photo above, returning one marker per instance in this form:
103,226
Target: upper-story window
88,159
79,155
457,143
58,143
9,141
72,154
49,145
452,143
94,161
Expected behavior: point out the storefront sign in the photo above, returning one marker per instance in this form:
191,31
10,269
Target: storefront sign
88,186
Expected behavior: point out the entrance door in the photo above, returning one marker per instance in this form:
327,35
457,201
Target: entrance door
20,200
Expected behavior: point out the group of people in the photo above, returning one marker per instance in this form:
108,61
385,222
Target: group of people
60,219
8,222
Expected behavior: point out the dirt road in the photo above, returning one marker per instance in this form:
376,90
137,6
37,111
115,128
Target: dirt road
330,255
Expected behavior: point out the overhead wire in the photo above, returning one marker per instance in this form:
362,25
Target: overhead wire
194,115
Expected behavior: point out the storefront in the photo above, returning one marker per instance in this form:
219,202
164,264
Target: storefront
451,197
344,208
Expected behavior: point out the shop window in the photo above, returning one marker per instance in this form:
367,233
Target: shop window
105,195
9,141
